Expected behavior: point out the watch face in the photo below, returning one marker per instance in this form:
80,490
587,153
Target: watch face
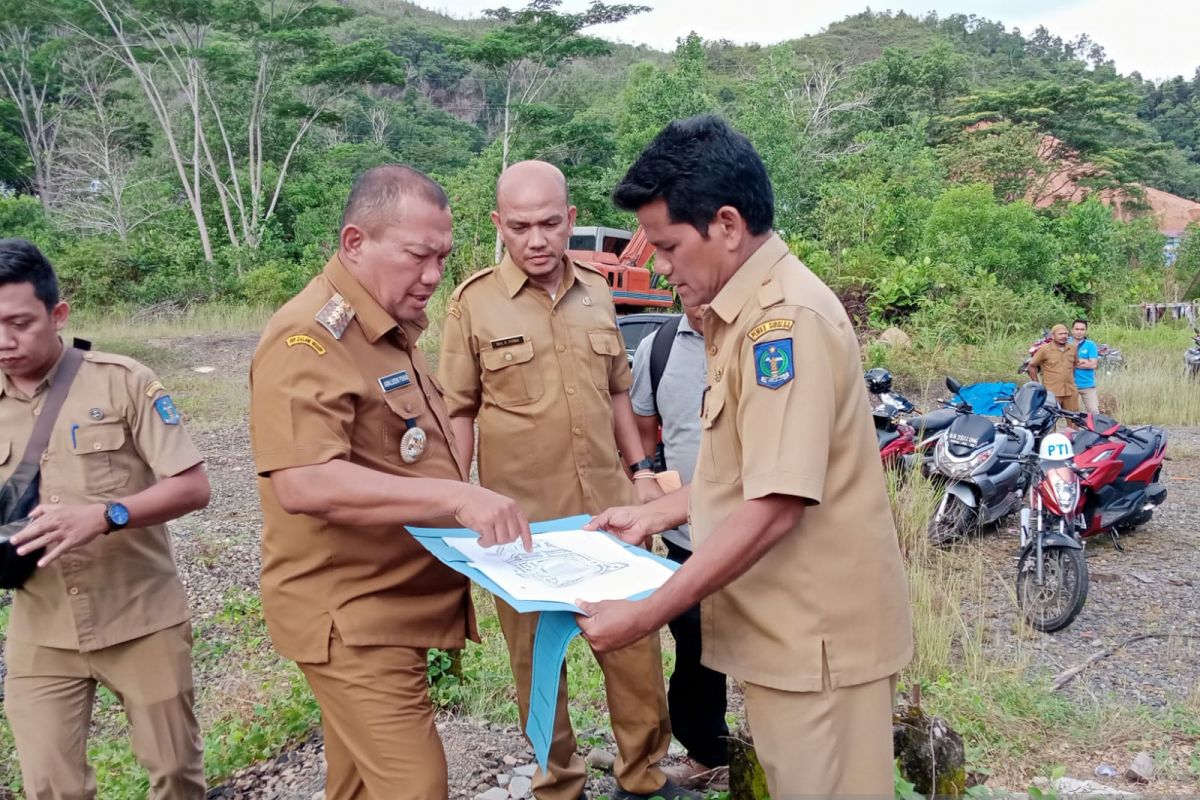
118,514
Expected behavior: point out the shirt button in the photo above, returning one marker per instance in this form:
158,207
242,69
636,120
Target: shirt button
562,348
570,390
74,590
96,445
54,498
45,457
578,431
508,356
37,412
717,376
712,351
408,407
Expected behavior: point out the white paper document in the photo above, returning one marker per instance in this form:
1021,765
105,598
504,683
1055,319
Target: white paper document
566,566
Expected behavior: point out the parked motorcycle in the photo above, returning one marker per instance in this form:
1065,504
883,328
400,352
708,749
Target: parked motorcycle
1052,574
899,429
896,439
1191,357
1120,470
1032,407
980,464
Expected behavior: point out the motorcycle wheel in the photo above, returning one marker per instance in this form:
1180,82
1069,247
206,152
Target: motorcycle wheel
955,523
1055,604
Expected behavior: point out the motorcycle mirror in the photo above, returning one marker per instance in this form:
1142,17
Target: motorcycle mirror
954,386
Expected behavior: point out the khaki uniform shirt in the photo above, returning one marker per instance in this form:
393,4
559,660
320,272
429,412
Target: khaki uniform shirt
785,413
110,441
317,395
538,375
1057,368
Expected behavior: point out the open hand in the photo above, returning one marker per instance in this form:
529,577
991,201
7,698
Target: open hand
630,524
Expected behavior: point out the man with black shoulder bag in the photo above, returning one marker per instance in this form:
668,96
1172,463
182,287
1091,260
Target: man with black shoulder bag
94,460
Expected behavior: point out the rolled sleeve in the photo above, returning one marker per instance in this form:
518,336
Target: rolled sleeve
458,364
302,406
786,431
165,446
641,393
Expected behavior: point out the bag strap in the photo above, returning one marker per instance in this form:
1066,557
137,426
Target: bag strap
660,350
55,397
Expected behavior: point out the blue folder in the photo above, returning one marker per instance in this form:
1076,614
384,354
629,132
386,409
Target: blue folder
555,630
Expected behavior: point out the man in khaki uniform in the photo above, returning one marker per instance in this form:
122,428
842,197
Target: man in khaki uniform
531,349
796,558
105,605
351,442
1056,361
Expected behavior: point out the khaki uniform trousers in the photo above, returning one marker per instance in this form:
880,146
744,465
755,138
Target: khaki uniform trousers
637,709
380,739
48,697
831,743
1090,399
1069,402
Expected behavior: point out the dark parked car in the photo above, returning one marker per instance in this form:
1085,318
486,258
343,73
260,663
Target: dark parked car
635,327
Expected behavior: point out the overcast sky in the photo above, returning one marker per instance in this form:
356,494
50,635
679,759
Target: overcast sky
1159,38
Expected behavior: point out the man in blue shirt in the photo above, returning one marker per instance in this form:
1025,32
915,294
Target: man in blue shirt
1085,369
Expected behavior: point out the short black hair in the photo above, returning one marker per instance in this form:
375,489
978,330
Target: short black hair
22,262
375,193
1079,320
698,165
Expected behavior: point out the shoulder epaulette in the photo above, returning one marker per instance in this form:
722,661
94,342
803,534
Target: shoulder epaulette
458,292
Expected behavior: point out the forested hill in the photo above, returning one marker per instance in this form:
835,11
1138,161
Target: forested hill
201,149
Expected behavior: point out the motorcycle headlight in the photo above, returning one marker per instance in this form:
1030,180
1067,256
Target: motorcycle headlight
1066,491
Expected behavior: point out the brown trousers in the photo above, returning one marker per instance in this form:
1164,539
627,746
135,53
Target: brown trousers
48,697
380,739
831,743
637,708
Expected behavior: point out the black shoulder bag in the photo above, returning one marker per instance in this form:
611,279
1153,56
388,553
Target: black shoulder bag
19,494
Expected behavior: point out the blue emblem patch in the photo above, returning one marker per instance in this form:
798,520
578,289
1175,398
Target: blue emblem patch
773,363
166,410
397,380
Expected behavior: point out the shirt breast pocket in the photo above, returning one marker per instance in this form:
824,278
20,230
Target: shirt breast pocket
606,345
403,404
719,460
510,375
97,463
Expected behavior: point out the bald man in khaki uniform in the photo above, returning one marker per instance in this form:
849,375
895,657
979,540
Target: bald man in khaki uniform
105,605
351,442
796,561
531,349
1054,364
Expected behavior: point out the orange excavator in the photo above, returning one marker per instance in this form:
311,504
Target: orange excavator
622,257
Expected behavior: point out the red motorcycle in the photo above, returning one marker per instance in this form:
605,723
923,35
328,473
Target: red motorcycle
1120,470
896,441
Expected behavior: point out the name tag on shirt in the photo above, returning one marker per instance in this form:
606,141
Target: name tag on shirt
397,380
507,341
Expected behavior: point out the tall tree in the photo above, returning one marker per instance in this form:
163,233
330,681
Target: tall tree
31,45
525,51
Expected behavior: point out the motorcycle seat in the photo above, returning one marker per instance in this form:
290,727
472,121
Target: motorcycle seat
933,421
886,437
1135,453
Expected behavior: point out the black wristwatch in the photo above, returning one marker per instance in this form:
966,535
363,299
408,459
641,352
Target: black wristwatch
645,463
116,515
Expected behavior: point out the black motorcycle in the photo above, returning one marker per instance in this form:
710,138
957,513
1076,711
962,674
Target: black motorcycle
1033,408
980,465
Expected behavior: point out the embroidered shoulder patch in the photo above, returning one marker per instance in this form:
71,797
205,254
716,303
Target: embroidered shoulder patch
773,363
336,315
308,341
166,410
761,330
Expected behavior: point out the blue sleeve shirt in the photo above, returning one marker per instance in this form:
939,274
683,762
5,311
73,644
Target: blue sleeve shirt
1086,378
